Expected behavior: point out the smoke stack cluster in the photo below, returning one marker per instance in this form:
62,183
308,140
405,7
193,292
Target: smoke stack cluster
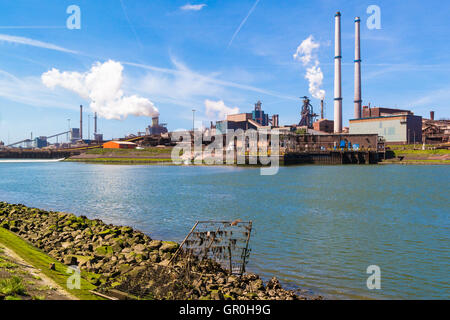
337,75
358,100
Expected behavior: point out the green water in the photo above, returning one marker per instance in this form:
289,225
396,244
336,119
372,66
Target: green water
315,227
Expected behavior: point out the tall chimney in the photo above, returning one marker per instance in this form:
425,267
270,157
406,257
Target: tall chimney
358,100
95,122
155,121
321,109
81,122
337,75
432,115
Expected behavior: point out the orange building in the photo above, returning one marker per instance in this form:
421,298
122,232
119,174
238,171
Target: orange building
119,145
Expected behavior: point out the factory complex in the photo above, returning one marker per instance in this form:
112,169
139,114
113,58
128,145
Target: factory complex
369,131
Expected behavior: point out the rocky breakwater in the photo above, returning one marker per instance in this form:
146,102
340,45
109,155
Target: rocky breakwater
119,258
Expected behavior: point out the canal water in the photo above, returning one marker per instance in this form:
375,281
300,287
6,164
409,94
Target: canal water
315,227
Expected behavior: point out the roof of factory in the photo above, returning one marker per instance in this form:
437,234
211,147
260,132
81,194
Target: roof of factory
123,142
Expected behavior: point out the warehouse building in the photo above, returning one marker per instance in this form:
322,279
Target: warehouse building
119,145
394,125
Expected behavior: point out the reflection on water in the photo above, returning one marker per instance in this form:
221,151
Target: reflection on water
318,227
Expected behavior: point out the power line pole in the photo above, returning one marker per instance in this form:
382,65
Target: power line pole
193,120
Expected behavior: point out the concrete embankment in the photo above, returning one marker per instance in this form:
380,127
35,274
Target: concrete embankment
121,259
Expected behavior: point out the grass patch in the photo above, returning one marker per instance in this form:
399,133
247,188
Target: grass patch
124,160
7,265
12,286
411,161
140,152
41,261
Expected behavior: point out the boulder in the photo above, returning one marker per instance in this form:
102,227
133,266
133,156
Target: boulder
70,260
169,246
154,245
139,248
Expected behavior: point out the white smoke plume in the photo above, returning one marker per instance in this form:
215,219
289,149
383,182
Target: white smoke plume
102,86
218,110
306,54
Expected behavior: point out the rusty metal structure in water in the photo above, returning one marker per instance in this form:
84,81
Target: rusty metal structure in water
225,242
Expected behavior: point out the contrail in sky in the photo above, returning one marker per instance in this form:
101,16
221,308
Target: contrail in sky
242,23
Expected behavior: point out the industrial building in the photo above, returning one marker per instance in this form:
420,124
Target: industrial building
435,131
156,128
393,125
245,121
119,145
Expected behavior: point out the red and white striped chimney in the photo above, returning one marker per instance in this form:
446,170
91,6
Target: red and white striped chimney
358,101
337,75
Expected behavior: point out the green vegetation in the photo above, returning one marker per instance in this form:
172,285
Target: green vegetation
138,152
419,161
42,262
12,286
413,154
124,160
6,264
422,152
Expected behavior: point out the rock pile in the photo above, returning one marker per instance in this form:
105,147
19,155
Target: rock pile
129,260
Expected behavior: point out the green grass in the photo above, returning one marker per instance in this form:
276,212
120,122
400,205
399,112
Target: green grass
42,261
123,160
422,152
418,161
7,265
140,152
12,286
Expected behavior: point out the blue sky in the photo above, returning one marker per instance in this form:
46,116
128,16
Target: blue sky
179,58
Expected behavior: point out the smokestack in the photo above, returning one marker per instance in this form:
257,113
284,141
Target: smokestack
81,122
337,75
95,122
358,100
321,109
275,122
155,121
432,115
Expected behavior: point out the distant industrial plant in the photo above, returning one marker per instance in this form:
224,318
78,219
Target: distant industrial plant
370,129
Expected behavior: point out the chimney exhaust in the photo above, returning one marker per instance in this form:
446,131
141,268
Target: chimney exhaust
358,100
337,75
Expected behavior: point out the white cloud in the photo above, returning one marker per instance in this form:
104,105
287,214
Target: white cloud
102,86
30,91
33,43
305,50
193,7
217,110
193,83
306,54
